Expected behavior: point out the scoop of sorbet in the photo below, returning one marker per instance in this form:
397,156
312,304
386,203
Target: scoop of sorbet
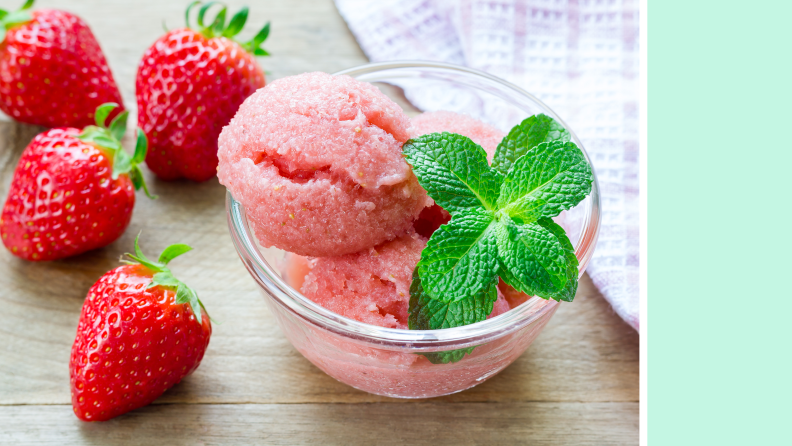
316,161
479,132
372,286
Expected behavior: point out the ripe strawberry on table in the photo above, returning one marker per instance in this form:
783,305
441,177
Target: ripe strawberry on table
52,70
72,191
189,85
141,331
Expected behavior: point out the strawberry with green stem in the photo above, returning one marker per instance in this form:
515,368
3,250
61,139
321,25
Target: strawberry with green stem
52,70
189,85
73,191
141,331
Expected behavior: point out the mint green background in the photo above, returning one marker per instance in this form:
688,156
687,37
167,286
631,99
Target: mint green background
720,194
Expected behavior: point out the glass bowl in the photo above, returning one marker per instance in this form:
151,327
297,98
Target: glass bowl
417,363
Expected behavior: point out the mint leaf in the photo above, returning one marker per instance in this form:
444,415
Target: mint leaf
426,313
532,258
461,256
568,293
556,173
451,356
525,136
454,171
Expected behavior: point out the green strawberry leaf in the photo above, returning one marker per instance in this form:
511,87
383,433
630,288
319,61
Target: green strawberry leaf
164,277
16,18
450,356
461,257
237,23
122,163
454,171
426,313
525,136
532,259
568,293
118,126
28,4
141,147
110,139
136,175
555,172
102,112
252,46
185,294
202,12
139,257
219,23
187,13
173,251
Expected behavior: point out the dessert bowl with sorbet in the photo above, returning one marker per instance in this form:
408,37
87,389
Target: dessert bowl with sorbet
330,220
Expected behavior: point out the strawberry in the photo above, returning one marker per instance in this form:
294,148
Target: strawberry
72,191
141,331
189,85
52,70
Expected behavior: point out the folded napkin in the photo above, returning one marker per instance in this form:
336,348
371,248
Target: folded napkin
579,57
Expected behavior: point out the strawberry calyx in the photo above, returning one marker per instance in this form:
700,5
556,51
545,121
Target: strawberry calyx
109,138
21,16
218,28
164,277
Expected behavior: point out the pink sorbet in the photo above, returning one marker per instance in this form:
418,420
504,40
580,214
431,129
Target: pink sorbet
481,133
372,286
316,161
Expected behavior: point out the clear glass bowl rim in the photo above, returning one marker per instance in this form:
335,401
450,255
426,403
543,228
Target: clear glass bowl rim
423,340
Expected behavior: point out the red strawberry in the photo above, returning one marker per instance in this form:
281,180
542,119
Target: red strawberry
138,336
52,71
72,191
190,84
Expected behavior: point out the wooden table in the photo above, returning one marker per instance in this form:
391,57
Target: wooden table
578,383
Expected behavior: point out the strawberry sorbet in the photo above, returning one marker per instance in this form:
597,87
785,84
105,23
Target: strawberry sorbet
372,286
479,132
316,160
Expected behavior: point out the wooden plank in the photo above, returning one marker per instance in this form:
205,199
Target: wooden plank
349,424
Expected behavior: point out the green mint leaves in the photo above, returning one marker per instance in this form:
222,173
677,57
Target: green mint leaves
109,138
454,171
164,277
523,137
501,223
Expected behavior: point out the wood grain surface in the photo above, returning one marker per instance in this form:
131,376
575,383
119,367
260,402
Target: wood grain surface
578,383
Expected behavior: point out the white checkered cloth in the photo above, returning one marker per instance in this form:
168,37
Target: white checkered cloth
578,56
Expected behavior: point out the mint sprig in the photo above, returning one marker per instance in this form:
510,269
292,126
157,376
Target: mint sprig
427,313
164,277
109,138
454,171
524,136
450,356
501,221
